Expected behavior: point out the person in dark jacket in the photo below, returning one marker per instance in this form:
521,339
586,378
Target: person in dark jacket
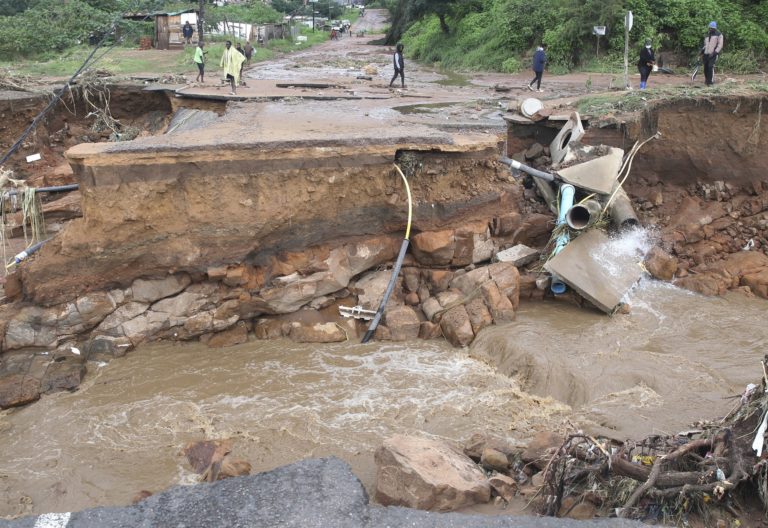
187,31
399,63
713,45
539,60
645,64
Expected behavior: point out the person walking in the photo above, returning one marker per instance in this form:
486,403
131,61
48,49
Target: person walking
231,62
187,31
399,63
200,61
713,46
539,61
645,64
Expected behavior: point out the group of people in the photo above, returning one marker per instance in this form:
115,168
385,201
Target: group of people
710,51
233,60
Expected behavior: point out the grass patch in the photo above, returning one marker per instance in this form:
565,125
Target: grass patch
633,101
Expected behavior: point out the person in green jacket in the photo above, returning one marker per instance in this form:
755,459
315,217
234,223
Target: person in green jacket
200,61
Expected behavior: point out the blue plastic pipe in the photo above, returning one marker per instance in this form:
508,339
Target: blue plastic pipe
567,192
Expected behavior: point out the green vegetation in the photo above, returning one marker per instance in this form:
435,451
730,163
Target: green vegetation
502,34
633,101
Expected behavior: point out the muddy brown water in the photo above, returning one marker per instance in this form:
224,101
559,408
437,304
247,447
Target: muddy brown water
676,358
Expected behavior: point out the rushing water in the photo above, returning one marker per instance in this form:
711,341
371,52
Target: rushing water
677,357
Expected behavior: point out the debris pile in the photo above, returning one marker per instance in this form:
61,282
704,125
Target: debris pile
583,186
711,473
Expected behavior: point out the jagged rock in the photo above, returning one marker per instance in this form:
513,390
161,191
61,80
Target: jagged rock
234,468
504,486
411,279
660,264
538,449
64,373
429,330
403,323
199,324
235,276
456,326
434,248
105,348
478,442
371,287
151,290
18,389
431,307
499,306
235,335
412,299
437,280
428,475
469,282
316,333
507,278
757,282
322,302
493,459
216,272
534,151
182,305
121,315
483,248
271,328
479,316
507,224
32,326
423,293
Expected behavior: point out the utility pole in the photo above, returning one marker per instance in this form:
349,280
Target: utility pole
627,28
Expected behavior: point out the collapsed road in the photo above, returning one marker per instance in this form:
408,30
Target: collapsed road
227,224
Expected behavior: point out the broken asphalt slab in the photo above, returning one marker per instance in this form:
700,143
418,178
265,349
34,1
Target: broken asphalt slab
313,493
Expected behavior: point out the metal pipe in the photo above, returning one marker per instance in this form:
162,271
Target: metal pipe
621,210
398,264
583,215
60,188
525,168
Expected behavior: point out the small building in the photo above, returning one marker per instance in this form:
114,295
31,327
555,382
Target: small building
168,26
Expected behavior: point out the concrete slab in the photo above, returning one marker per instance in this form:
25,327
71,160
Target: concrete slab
572,131
598,270
597,175
519,255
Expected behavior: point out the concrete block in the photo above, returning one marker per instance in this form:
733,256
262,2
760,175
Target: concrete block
519,255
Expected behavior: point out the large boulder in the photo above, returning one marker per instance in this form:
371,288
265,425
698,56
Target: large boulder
660,264
427,474
434,248
18,389
316,333
457,327
235,335
64,373
403,323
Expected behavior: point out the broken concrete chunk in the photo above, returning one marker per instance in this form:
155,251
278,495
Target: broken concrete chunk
599,273
571,131
519,255
596,175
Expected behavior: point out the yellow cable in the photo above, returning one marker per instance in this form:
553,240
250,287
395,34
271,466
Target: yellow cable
410,203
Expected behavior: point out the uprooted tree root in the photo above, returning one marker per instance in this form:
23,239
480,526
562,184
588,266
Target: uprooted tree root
706,473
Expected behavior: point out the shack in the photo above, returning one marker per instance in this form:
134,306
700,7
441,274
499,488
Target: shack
167,34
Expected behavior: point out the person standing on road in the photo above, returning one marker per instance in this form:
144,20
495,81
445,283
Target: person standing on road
713,45
200,61
232,62
539,61
645,64
187,31
399,62
248,51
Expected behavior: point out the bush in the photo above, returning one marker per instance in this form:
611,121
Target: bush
50,25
